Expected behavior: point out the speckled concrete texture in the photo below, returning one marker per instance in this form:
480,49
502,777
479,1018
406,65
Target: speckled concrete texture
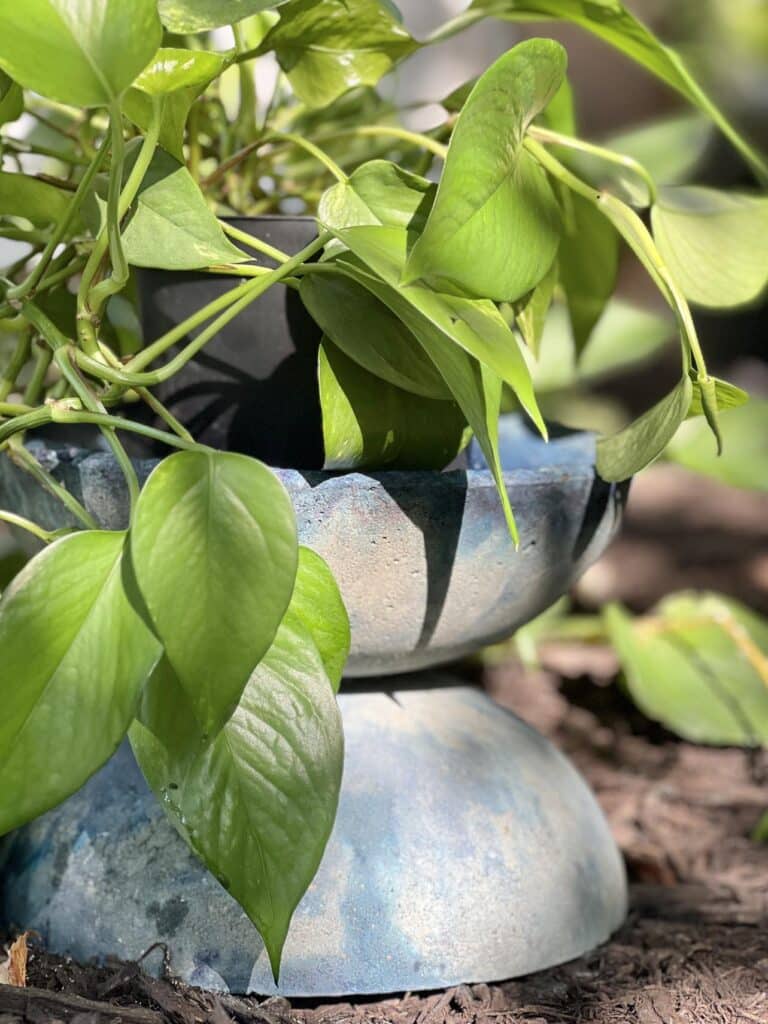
423,559
466,848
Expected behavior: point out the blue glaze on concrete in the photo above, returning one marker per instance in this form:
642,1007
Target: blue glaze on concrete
466,848
448,579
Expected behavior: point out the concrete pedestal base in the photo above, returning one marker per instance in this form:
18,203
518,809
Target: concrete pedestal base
466,849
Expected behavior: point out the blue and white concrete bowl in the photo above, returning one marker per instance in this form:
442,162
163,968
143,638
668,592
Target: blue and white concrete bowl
423,559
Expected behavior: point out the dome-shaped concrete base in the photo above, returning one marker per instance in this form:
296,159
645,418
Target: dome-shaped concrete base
466,849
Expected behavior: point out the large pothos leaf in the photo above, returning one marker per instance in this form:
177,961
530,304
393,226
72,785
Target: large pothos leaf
494,228
214,550
189,16
369,332
588,261
178,77
626,453
612,22
172,227
715,243
81,52
375,214
75,656
257,804
328,46
698,663
370,423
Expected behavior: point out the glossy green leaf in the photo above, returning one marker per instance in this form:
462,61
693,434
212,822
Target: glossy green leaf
494,228
670,148
626,453
474,386
179,76
173,68
258,803
744,462
370,423
588,260
374,214
189,16
559,114
214,550
81,52
11,99
370,333
326,47
317,602
613,23
699,665
22,195
172,227
715,243
379,192
75,657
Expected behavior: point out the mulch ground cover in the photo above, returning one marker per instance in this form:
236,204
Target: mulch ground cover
694,949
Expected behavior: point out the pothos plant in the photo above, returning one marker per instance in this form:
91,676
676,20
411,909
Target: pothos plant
204,630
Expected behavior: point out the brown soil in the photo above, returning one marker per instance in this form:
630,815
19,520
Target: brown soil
695,947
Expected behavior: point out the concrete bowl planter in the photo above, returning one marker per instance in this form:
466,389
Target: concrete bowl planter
466,847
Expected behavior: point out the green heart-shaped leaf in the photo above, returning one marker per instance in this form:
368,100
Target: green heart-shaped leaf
368,422
75,656
613,23
494,228
172,227
189,16
715,243
81,52
369,332
622,455
179,76
258,803
698,664
214,550
326,47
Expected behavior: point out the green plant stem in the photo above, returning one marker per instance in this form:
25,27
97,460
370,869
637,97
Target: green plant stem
545,135
246,115
417,138
129,377
19,455
119,275
275,136
87,315
16,364
46,536
638,238
254,243
165,415
14,409
34,388
112,423
454,26
60,347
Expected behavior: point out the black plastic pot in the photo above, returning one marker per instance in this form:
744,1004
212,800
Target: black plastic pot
253,388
